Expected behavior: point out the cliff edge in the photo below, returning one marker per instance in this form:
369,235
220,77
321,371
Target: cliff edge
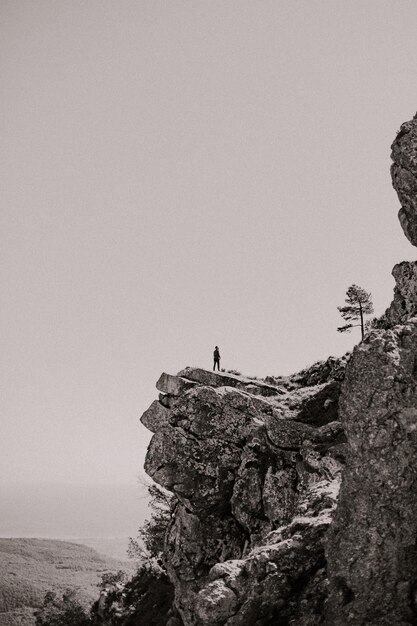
256,469
296,497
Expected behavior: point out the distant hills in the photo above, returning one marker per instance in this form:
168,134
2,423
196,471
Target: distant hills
56,520
30,567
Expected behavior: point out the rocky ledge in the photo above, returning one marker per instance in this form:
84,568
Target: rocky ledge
259,535
256,469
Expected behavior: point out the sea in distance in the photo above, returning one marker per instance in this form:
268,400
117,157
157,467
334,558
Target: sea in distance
99,516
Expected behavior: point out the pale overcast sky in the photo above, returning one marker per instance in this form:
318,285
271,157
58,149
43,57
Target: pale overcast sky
180,174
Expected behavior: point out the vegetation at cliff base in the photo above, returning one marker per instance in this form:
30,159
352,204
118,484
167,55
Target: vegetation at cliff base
151,536
148,596
145,598
67,611
31,567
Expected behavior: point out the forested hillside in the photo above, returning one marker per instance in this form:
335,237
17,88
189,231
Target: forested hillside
30,567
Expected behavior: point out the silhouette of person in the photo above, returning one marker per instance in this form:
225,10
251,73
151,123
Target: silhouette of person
216,355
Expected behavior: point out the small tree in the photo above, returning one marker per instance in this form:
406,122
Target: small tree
112,578
67,611
358,304
148,596
151,536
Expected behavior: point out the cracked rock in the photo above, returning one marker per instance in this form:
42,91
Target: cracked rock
244,469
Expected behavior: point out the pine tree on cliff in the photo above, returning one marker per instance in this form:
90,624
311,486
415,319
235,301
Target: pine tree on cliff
358,304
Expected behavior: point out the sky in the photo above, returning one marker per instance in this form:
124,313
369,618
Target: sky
179,175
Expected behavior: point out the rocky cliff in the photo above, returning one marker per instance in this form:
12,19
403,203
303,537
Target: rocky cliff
256,470
371,545
260,534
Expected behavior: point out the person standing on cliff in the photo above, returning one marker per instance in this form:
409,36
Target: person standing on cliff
216,355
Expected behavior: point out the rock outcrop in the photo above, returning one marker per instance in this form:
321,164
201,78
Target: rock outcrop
256,469
372,544
256,538
404,176
404,305
404,181
260,534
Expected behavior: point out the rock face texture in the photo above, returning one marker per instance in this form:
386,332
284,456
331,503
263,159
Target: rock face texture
256,469
404,176
372,544
255,537
404,304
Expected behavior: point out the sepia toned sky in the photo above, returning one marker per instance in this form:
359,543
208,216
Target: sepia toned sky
177,175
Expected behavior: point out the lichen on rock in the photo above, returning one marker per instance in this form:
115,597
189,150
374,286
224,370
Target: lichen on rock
371,548
256,483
